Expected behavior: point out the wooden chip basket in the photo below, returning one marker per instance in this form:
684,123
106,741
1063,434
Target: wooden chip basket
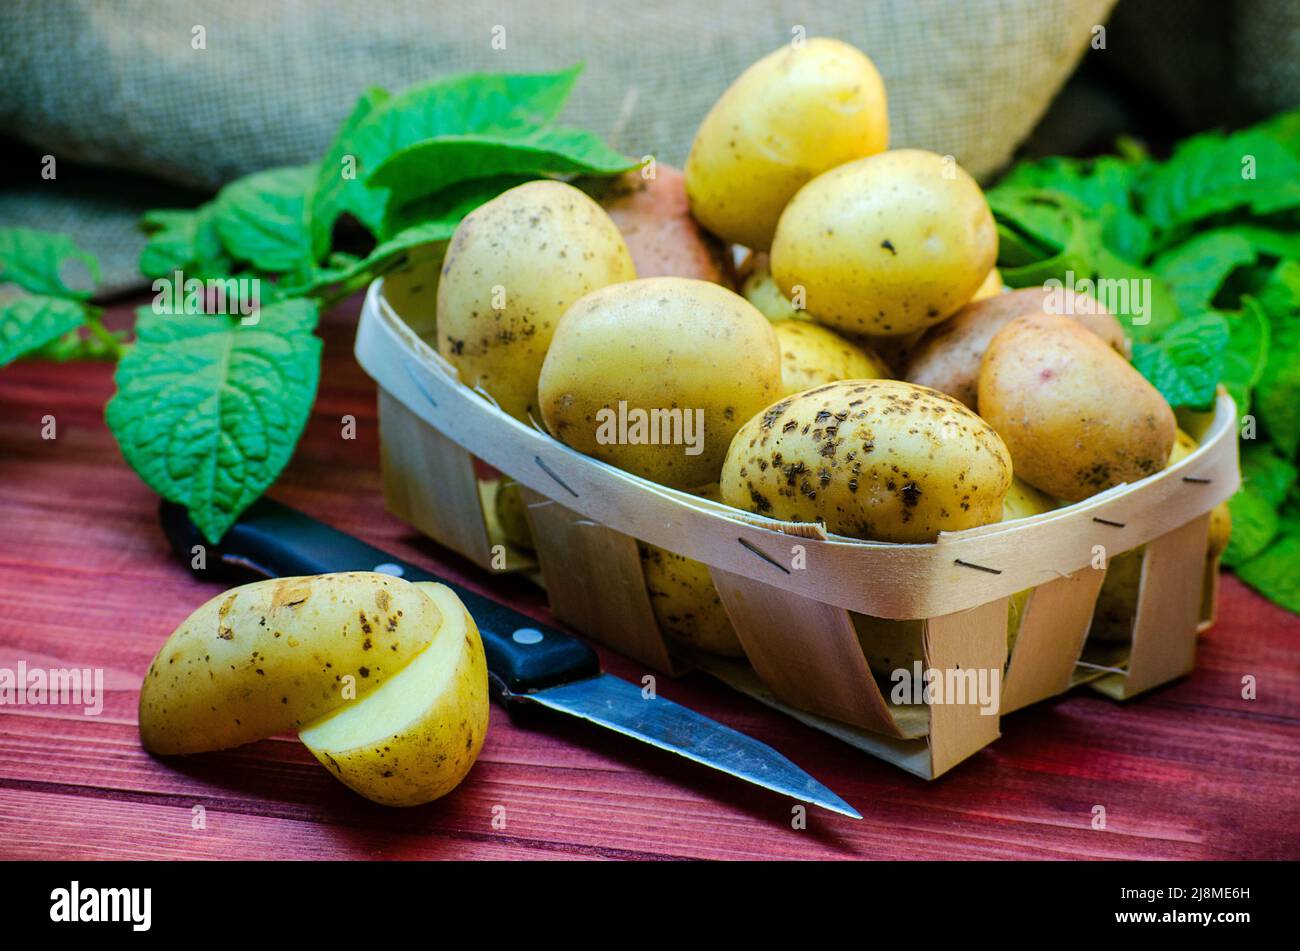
802,652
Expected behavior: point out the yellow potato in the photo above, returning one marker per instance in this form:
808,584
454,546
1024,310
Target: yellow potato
812,355
759,288
1076,416
889,644
414,738
1112,618
275,655
512,515
791,116
412,290
513,267
1112,621
1220,534
655,376
895,351
877,459
1023,501
685,603
1184,445
991,287
948,357
886,245
1220,529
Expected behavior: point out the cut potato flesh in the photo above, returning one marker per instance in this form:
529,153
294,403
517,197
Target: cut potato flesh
415,738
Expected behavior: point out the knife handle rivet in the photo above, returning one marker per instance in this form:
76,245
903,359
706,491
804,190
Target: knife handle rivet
388,568
527,635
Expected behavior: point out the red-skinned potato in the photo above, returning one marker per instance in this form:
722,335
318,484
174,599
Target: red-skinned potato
948,357
649,208
1076,416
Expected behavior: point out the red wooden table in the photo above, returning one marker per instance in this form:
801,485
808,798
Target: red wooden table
1192,770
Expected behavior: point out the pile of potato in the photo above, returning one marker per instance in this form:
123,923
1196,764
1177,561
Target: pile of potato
871,373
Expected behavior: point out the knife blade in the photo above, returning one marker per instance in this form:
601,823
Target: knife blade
529,663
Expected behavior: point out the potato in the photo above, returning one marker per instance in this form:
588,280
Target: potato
877,459
1023,501
414,738
760,290
655,376
513,267
283,654
685,603
272,656
1220,529
1112,621
1112,618
412,290
1076,416
948,357
662,237
889,644
512,516
886,245
812,355
1220,534
894,351
791,116
991,287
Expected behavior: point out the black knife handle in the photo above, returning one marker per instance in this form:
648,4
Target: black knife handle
271,540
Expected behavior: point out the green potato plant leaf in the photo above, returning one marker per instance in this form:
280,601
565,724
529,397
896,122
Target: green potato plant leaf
346,269
1277,395
428,220
1197,268
1103,186
28,323
263,218
1265,241
208,412
432,165
338,168
1186,364
42,262
1246,355
449,205
505,105
1266,479
1273,572
45,280
183,240
1211,174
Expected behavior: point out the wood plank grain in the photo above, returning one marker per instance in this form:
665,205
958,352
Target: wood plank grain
1190,770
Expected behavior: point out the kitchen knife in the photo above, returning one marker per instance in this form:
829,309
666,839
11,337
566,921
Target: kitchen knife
529,663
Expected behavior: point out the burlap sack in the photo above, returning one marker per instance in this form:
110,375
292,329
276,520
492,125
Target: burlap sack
121,84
